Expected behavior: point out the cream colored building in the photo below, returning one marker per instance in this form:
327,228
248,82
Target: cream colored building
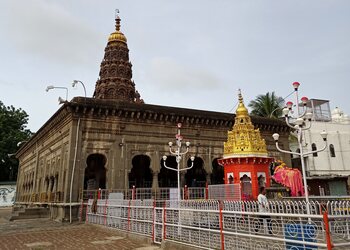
328,171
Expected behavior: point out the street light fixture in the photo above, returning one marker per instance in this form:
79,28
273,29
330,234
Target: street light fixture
302,122
20,143
75,82
178,154
58,87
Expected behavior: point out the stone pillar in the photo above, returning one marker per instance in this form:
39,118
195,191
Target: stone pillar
182,178
155,184
155,168
208,180
49,185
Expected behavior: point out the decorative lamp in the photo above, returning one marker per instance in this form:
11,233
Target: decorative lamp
304,100
296,86
285,112
289,105
324,135
276,136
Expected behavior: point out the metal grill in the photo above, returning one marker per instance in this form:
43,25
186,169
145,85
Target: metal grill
213,224
225,192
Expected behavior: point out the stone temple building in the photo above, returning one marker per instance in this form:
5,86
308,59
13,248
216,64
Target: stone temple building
114,141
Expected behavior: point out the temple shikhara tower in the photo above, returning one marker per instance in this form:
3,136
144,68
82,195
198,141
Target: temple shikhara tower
245,160
115,79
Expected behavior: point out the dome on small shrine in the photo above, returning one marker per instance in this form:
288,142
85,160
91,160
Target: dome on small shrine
339,116
241,111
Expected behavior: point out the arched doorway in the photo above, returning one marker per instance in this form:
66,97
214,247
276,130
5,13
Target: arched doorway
167,177
141,174
95,172
217,174
246,184
196,176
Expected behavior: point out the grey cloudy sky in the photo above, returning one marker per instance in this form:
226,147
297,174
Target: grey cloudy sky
193,54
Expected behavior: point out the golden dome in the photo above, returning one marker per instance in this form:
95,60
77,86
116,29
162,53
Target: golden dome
243,139
241,111
117,35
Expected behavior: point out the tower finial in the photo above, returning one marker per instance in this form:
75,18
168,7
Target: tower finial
240,98
117,20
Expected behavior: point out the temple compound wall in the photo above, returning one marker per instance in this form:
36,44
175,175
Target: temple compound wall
116,145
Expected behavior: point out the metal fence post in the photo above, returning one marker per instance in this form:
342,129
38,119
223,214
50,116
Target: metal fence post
221,227
133,192
206,191
185,193
81,211
154,221
129,214
105,212
99,193
327,231
87,210
164,221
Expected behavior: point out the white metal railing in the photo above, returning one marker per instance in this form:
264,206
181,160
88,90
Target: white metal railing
212,224
219,192
225,192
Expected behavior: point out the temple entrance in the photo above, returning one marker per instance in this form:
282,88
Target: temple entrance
141,174
217,175
196,176
95,172
246,185
167,177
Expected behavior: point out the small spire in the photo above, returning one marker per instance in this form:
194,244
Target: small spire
240,98
117,20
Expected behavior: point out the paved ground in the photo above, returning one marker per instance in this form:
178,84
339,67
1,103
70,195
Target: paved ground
45,234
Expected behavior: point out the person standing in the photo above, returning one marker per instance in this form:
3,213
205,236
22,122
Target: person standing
264,208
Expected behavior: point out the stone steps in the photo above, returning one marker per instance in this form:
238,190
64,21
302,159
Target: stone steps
29,213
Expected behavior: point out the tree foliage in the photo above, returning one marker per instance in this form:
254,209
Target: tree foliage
12,131
268,105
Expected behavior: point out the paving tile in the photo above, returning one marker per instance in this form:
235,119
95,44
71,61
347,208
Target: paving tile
46,234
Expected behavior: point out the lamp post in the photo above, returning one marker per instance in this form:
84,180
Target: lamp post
56,87
178,154
75,82
280,106
271,114
301,122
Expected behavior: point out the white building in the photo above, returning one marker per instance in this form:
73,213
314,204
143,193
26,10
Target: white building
328,172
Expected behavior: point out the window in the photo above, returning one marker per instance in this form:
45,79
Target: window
331,150
314,148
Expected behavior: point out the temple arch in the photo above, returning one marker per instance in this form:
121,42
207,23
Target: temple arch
246,185
196,176
140,175
167,177
217,175
95,172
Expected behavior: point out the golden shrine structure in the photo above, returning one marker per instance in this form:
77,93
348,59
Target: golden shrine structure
245,159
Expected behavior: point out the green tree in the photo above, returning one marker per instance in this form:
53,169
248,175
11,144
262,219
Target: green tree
268,105
12,131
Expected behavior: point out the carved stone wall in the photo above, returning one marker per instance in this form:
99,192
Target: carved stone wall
119,131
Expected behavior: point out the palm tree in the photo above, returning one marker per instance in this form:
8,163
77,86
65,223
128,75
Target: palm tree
268,105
